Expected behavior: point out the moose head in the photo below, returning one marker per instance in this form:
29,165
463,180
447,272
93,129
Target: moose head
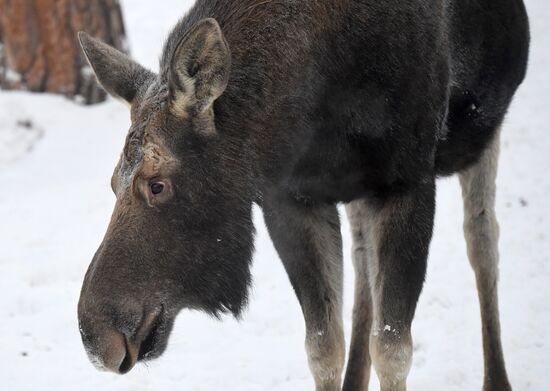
181,232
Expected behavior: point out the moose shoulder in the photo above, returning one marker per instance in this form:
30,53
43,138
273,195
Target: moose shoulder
298,106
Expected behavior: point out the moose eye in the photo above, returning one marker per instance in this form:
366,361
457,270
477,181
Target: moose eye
157,188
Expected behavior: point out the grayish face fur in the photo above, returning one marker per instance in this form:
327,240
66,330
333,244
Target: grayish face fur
139,147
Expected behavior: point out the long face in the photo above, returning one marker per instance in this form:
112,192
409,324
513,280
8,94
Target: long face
181,232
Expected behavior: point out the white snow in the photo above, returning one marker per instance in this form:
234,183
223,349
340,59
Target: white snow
55,203
12,76
18,135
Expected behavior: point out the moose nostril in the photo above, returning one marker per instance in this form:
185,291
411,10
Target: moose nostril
120,355
117,354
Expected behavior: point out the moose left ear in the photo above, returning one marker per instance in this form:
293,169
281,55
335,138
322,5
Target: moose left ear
119,75
199,69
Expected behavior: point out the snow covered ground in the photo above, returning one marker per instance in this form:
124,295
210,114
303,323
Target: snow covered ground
56,159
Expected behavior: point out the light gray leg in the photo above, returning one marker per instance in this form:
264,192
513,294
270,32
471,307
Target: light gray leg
481,231
309,243
359,361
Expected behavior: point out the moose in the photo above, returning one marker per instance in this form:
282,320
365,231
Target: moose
298,106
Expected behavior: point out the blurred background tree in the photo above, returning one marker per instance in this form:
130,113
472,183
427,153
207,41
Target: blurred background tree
39,49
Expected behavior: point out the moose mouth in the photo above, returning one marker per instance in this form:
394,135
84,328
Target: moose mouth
154,343
148,343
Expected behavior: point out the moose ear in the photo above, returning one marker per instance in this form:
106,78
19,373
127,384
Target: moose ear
117,73
199,68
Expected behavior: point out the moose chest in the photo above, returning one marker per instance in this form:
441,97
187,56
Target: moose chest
340,166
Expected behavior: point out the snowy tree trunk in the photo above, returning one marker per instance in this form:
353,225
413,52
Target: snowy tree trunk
39,49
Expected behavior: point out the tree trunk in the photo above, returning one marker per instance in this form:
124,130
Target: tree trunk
39,49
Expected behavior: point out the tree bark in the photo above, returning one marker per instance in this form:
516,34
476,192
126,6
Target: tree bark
39,49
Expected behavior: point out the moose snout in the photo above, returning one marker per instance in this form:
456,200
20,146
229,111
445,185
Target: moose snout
116,343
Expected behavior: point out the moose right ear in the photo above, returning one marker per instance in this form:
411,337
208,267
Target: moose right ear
200,67
117,73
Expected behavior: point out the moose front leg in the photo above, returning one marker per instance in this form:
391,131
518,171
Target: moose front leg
309,243
401,230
